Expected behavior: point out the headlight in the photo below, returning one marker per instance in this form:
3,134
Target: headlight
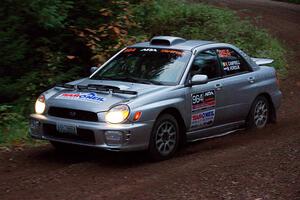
117,114
40,104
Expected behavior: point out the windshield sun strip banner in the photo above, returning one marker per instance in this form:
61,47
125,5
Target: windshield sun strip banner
167,51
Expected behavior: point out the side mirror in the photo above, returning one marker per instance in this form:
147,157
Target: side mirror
93,69
199,79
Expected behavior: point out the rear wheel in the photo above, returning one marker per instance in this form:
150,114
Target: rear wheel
259,113
164,139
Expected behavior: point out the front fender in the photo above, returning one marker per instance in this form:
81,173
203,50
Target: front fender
152,110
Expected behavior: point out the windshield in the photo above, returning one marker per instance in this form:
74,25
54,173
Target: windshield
146,65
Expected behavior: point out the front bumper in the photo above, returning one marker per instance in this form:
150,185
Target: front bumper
135,136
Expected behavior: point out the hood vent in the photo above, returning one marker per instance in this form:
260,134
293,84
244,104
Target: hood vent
166,40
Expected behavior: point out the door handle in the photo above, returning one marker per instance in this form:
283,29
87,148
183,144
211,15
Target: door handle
251,79
218,86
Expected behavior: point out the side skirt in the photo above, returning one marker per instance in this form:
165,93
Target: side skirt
214,132
215,136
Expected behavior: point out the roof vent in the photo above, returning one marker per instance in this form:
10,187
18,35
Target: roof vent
166,40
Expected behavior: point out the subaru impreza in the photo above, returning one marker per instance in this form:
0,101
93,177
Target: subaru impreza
159,94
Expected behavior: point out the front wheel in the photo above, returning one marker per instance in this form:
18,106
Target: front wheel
259,113
164,139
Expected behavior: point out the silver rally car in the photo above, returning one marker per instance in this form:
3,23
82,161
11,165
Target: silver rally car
156,95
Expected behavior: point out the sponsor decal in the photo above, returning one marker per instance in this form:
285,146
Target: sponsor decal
177,52
149,50
223,53
203,100
87,97
203,118
232,65
129,50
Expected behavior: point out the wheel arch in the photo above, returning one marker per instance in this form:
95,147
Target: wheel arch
181,123
272,114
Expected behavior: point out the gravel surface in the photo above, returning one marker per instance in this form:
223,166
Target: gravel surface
252,165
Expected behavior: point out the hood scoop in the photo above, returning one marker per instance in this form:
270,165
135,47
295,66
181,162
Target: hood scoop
166,40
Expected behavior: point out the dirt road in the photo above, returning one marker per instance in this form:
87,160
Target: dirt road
246,165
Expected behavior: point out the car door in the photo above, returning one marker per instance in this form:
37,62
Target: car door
235,86
203,100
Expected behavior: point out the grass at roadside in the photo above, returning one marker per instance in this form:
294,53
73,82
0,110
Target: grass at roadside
16,135
13,128
168,17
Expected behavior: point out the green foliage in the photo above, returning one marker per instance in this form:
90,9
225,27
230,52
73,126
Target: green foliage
13,126
25,25
110,33
50,13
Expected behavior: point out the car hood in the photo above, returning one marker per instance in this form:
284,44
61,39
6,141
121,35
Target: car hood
98,101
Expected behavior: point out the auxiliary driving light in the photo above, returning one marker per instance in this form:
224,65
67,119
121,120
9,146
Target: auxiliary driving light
114,137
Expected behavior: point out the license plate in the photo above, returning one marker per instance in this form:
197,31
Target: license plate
66,128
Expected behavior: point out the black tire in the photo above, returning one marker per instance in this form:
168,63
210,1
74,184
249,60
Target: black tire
164,139
259,114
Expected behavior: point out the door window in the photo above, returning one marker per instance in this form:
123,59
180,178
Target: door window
206,63
232,63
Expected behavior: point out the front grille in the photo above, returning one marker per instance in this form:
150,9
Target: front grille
82,135
73,114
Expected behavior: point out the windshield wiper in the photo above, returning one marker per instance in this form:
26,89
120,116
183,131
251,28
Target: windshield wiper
154,82
127,79
106,88
100,88
132,79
